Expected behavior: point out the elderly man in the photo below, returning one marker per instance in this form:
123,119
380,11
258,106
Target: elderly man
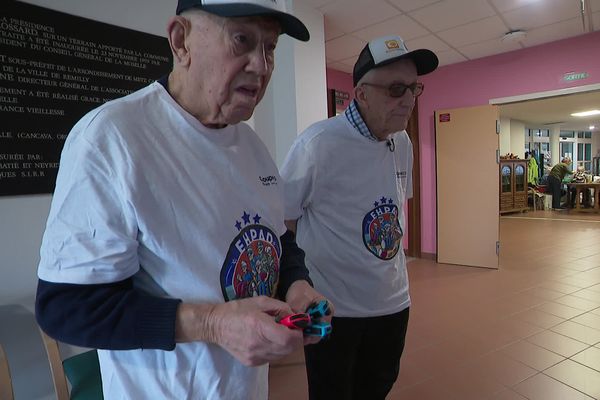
346,183
555,178
160,215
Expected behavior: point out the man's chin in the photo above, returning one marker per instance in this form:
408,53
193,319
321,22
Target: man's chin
400,126
240,115
403,121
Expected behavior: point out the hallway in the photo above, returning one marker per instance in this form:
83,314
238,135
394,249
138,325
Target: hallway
530,330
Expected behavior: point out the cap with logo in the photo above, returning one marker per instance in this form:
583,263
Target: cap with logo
388,49
249,8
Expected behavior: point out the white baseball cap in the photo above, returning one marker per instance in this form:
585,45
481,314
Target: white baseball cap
231,8
388,49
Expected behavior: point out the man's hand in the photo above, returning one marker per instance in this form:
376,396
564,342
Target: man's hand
245,328
300,296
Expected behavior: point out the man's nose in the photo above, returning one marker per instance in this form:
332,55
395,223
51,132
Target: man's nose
407,99
259,62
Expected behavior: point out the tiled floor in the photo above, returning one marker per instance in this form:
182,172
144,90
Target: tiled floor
530,330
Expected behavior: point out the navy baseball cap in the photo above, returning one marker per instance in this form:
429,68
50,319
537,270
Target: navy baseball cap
388,49
249,8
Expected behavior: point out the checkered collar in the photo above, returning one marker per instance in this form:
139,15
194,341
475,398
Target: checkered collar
353,116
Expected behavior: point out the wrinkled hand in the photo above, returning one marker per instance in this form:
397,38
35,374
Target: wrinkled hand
300,296
247,330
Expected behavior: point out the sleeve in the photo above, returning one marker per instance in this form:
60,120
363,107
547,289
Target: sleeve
292,265
89,251
91,232
298,173
112,316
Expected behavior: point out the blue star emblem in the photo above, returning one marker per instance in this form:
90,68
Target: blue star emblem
246,218
390,201
376,203
383,200
256,219
238,225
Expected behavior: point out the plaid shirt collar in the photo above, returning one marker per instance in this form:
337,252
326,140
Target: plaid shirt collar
355,119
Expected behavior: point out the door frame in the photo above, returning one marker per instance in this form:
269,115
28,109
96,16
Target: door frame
414,204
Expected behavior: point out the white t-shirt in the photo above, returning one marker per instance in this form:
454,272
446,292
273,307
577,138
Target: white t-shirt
349,193
145,191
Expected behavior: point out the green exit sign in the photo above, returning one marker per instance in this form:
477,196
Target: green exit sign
575,76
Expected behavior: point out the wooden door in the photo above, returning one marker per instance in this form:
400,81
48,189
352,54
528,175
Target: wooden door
467,186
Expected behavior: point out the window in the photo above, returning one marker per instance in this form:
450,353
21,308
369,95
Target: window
567,134
566,150
538,141
538,133
584,135
584,155
545,147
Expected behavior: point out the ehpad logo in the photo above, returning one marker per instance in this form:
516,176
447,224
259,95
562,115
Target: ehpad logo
251,266
382,234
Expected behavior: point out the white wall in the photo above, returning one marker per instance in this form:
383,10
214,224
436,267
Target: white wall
517,138
22,221
504,139
512,137
554,145
596,144
297,95
311,79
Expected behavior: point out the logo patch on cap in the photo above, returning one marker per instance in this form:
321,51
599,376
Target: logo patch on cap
392,44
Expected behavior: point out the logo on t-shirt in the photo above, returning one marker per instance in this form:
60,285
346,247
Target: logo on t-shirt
382,234
268,180
251,267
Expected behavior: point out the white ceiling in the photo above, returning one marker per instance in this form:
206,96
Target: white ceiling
557,110
456,30
462,30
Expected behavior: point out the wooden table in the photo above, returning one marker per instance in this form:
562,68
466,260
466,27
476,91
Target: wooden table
578,188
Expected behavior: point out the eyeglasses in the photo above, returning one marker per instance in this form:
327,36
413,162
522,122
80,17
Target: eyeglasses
398,89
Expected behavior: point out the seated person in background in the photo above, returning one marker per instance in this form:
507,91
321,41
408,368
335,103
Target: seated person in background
557,174
580,177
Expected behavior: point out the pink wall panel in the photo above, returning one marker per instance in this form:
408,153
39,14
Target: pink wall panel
340,81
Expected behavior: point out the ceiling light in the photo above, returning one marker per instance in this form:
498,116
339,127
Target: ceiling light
592,127
586,113
514,36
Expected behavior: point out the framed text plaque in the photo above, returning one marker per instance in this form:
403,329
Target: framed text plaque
54,68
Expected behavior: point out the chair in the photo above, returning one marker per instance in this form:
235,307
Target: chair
536,198
6,391
82,371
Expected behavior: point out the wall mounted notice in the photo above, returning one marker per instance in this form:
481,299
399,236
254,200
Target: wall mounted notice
54,68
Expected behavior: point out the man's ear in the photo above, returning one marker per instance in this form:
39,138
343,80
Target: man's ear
360,95
178,29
